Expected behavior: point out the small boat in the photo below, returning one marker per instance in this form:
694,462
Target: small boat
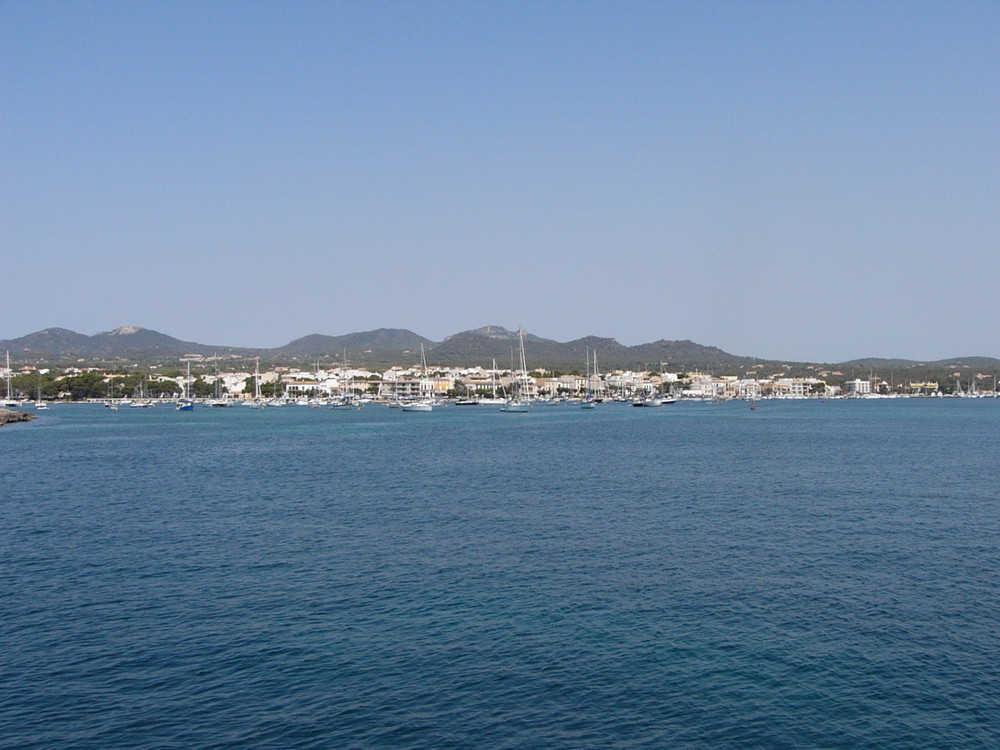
418,406
469,400
516,406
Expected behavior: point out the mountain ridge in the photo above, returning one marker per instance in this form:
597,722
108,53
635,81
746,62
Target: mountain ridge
479,346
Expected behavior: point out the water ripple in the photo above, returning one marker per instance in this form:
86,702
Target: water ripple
809,576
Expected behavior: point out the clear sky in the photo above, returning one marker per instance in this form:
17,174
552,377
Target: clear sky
791,180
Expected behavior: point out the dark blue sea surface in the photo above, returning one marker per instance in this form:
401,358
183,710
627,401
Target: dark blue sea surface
808,574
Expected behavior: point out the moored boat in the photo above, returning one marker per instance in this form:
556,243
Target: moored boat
417,406
519,402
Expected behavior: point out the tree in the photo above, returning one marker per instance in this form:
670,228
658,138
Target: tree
130,385
26,386
267,390
201,389
84,386
163,388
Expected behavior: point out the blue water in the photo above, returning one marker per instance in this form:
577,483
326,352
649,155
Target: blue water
804,575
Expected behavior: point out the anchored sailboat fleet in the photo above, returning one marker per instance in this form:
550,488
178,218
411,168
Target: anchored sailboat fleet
512,391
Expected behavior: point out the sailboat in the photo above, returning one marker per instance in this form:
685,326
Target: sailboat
218,400
186,404
493,399
346,400
519,403
258,402
469,399
588,400
10,400
39,404
143,402
110,403
424,404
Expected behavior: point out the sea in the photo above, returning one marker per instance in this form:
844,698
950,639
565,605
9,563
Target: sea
806,574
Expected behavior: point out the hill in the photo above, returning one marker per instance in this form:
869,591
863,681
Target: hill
59,345
983,363
383,347
49,343
481,346
382,340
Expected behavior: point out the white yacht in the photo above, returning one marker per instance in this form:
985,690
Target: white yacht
519,402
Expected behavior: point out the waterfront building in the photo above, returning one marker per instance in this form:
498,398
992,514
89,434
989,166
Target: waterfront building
858,387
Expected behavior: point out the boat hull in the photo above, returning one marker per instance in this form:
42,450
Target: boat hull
417,407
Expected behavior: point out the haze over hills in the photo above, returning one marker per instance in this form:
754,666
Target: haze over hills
385,346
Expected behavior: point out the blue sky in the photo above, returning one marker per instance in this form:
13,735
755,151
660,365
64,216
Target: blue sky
797,180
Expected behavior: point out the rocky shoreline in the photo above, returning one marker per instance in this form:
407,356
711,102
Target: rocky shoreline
9,415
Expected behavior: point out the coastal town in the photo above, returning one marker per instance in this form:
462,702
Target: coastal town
200,379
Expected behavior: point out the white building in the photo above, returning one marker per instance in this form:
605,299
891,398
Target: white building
858,387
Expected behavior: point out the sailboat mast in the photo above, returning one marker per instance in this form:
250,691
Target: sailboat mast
598,388
522,385
520,338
